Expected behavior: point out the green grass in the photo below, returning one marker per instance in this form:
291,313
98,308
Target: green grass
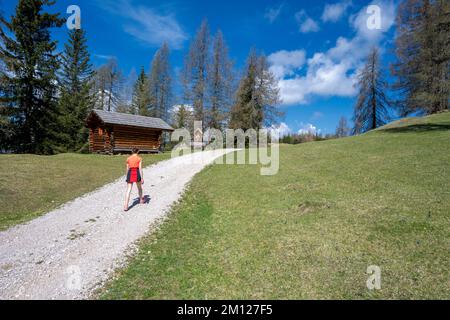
310,232
32,185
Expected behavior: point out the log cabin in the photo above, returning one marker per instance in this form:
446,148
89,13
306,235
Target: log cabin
112,132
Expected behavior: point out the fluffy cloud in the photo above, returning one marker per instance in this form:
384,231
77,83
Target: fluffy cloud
285,63
333,72
309,129
387,15
282,129
146,24
324,77
305,23
273,13
334,12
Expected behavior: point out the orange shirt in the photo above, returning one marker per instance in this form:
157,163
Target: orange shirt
134,161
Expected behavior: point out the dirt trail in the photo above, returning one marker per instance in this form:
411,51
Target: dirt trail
70,251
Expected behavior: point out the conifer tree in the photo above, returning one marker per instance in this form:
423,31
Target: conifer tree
75,90
220,83
423,56
257,96
371,109
342,129
108,85
160,82
141,95
196,71
29,81
182,117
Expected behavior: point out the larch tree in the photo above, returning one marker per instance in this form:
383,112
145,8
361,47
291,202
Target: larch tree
196,71
114,84
99,87
29,81
220,84
371,108
75,101
125,104
423,56
107,86
160,83
342,129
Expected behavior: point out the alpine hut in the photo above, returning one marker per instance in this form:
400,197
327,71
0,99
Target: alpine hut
112,132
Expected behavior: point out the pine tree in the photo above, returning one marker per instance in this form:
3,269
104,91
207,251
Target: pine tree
75,89
220,83
423,56
257,96
160,82
244,115
371,107
141,96
29,83
195,71
182,117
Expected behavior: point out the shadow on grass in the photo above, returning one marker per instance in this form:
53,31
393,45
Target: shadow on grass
418,128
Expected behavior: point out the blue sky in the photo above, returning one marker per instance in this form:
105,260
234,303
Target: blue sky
314,47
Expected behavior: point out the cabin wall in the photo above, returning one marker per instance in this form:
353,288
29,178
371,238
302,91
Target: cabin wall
122,139
108,142
96,140
126,138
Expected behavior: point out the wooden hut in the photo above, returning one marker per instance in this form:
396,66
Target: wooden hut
111,132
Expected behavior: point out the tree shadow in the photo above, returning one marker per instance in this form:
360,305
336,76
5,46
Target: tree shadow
418,128
137,201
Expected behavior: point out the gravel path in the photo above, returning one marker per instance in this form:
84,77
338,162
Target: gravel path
71,251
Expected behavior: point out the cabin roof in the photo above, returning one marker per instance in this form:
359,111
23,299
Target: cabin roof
132,120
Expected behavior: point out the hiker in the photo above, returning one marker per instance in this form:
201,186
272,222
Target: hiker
134,175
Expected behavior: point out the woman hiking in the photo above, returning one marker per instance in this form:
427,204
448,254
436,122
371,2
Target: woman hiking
134,175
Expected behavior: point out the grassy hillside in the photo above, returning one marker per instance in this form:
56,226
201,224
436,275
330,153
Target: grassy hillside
33,185
335,208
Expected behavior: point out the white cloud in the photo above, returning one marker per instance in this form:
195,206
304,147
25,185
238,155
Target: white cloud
333,72
359,20
146,24
285,63
282,129
324,77
273,13
334,12
305,23
309,129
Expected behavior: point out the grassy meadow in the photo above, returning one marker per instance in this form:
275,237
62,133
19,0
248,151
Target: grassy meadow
32,185
310,232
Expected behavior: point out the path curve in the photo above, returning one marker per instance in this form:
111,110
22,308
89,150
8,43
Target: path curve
69,252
